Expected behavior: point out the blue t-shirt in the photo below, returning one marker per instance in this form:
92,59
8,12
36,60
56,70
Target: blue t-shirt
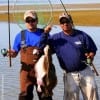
31,39
71,49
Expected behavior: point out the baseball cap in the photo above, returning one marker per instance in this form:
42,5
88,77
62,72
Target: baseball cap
64,15
30,13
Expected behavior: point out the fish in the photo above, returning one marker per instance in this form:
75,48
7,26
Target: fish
45,73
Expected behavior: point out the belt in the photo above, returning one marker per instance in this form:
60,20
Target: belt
65,71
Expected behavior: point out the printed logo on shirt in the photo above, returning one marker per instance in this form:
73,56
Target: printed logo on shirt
78,42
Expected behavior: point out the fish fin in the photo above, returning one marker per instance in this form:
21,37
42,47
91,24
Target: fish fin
39,88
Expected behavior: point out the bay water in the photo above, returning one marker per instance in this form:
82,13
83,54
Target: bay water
9,76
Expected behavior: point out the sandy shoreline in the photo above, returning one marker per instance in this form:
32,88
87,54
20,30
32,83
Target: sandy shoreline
82,14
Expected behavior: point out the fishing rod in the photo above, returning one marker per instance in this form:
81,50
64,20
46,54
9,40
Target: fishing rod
67,12
90,63
51,16
64,7
96,72
9,34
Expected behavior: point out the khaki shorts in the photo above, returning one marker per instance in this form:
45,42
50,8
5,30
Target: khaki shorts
80,82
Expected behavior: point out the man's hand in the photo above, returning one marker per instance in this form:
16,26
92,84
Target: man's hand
12,53
90,57
47,29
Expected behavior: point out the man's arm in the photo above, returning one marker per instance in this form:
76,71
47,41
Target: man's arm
44,37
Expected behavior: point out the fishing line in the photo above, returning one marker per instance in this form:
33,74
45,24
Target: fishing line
51,17
44,11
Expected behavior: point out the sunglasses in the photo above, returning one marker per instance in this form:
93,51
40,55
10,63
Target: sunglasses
30,20
63,21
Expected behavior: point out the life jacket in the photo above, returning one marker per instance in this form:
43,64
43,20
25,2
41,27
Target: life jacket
29,55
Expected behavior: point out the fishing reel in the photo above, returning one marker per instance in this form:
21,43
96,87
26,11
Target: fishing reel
89,61
4,52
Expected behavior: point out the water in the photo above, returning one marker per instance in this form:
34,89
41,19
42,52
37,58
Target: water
9,76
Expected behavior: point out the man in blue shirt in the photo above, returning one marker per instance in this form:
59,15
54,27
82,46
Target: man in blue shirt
72,48
27,42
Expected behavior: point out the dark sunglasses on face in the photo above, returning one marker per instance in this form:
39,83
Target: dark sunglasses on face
63,21
30,20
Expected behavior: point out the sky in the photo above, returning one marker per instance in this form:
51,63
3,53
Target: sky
81,1
53,1
77,1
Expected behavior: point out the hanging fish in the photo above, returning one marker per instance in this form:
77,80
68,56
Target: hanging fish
45,73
